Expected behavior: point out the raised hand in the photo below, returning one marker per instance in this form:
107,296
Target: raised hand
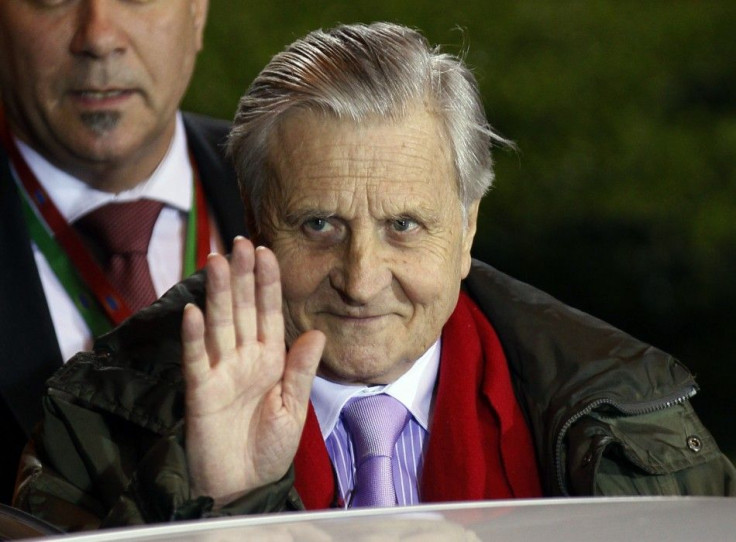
246,397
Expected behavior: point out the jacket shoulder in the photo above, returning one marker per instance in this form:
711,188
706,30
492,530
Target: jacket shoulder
207,138
208,128
553,347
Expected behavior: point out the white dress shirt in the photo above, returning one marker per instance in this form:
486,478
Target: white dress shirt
413,389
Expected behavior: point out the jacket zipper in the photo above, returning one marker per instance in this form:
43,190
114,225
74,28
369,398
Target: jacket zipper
630,409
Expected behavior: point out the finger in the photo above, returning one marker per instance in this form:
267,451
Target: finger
242,263
268,300
195,364
302,361
219,329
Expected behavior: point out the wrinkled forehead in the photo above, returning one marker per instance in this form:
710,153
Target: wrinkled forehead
312,146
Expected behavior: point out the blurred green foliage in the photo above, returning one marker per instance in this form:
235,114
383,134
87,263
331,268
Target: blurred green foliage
621,200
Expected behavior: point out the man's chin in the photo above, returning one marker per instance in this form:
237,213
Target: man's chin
355,370
101,123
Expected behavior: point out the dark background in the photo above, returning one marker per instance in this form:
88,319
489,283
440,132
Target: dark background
621,200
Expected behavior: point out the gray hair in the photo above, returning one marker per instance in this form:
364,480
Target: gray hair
355,72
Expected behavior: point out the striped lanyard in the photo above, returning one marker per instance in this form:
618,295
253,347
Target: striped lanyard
97,300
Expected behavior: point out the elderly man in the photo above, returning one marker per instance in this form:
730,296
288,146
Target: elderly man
362,155
94,158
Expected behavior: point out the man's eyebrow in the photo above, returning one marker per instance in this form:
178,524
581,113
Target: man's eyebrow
425,213
297,216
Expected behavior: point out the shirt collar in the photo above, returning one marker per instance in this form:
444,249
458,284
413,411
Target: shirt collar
75,198
413,389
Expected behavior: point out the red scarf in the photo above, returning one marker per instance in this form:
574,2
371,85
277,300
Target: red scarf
479,444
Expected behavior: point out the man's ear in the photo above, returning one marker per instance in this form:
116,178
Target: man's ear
469,235
199,13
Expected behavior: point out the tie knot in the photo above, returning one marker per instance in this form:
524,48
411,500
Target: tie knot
121,228
375,423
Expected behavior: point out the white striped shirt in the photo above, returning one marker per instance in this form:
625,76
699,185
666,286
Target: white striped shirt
414,390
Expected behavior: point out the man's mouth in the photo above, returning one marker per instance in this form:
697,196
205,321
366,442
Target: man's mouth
358,318
96,99
102,94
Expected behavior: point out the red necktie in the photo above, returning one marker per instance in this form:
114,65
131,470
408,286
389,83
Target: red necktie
119,233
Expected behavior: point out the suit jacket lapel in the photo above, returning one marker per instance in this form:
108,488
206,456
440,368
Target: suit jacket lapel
28,345
206,138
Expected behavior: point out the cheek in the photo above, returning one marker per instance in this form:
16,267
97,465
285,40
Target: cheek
176,39
301,274
40,65
430,287
297,283
302,286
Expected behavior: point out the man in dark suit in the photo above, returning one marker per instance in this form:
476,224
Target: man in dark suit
89,120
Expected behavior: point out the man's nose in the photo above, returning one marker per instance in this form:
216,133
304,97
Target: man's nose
364,270
99,29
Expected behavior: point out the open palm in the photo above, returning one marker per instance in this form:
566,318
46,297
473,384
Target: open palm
246,397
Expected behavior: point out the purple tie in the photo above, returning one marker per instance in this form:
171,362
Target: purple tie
374,423
120,232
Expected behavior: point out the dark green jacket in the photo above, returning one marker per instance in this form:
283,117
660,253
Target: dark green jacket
609,415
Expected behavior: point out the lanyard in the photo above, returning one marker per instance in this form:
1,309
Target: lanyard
95,297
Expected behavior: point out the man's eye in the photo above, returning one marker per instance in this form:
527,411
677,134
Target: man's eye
50,3
403,224
317,224
325,230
